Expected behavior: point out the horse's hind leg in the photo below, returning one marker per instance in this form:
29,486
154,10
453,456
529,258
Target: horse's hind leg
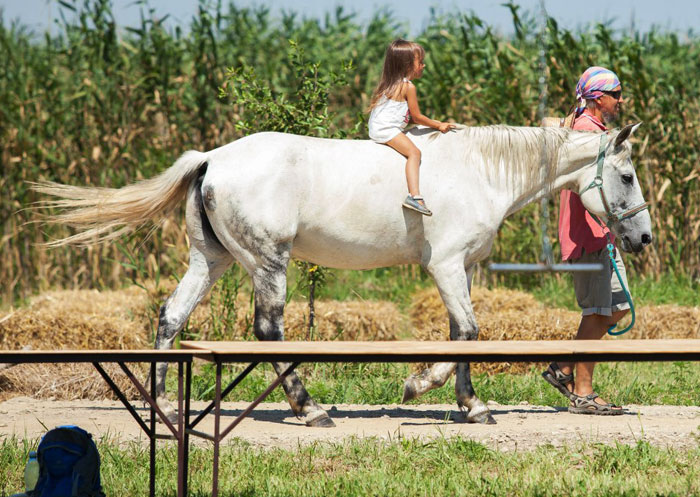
454,283
270,282
204,269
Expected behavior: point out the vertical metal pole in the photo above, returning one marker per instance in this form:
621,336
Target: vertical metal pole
152,435
546,162
180,433
186,435
217,438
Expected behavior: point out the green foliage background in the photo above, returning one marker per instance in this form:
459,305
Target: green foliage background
100,105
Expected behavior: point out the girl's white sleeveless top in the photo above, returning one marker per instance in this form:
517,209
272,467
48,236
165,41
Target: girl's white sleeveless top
388,119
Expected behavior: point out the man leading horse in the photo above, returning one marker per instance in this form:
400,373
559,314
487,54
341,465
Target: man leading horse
584,239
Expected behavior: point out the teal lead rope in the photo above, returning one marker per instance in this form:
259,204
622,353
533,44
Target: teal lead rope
611,253
598,183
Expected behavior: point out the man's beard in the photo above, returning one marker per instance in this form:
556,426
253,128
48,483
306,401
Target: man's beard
611,117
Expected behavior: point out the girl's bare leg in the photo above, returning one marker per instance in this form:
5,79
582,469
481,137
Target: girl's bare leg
403,145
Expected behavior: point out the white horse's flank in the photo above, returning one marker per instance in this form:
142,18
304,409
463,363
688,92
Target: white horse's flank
268,197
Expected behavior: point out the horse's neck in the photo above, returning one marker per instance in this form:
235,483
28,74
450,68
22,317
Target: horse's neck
577,152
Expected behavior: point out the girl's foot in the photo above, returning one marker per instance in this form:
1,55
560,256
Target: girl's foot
417,204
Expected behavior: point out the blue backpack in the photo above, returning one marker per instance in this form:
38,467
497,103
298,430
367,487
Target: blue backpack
69,464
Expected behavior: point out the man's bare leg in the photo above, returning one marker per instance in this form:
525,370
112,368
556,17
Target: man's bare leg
592,327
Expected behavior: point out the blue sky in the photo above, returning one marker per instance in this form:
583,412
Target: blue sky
676,15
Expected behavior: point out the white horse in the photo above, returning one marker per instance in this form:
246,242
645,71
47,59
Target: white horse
268,197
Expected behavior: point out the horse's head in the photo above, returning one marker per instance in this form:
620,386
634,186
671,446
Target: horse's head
610,190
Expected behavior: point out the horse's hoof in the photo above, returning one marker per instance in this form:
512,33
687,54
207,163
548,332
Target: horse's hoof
483,417
319,419
172,417
168,410
409,390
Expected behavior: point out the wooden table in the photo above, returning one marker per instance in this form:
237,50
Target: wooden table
297,352
404,351
122,357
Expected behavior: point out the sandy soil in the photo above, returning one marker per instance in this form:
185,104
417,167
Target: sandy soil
521,427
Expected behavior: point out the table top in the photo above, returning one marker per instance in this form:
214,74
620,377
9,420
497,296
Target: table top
473,351
381,351
55,356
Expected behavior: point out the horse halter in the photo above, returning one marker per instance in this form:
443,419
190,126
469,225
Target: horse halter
598,183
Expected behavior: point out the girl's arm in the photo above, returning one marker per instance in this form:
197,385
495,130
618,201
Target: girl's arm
417,117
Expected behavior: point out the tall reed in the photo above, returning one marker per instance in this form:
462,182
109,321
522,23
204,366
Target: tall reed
100,105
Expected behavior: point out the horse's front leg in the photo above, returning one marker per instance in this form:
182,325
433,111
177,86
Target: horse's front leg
454,283
477,412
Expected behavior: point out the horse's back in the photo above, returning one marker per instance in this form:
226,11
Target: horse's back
316,169
289,147
338,200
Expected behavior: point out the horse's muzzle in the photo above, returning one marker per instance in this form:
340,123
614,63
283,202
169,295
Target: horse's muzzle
630,245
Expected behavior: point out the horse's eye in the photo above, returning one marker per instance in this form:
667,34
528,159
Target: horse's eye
627,179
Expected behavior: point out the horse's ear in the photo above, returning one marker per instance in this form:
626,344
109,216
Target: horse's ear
625,133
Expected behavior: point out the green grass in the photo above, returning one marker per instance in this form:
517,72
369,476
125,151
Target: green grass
401,467
676,383
558,290
668,289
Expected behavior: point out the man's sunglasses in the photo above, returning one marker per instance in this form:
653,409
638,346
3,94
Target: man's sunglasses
614,94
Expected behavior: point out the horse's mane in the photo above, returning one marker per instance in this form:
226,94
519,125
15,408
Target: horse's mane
519,151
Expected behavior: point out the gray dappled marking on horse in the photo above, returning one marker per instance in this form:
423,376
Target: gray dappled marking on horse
268,197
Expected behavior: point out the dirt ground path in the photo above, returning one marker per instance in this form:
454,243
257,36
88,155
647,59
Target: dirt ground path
521,427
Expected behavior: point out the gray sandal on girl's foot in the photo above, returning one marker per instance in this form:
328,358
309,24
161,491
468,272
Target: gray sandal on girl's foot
586,404
559,380
414,204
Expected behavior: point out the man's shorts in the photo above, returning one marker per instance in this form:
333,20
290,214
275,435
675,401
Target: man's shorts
600,292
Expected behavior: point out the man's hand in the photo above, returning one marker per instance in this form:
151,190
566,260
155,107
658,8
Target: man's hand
445,127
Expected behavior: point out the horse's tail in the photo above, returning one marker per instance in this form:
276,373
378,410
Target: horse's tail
104,214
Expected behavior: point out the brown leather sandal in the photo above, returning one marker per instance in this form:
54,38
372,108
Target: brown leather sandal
559,380
586,404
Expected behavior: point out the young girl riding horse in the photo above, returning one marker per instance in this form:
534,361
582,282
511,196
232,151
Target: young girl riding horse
394,104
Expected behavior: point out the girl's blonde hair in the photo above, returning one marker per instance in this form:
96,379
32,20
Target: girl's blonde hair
398,64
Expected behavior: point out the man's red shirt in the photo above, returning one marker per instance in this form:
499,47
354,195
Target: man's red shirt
577,228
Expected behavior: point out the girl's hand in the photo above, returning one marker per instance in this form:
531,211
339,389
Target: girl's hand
445,127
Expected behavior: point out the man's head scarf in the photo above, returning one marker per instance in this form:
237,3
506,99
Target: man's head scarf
593,82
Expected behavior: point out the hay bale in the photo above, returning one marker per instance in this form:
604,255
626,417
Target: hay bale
117,320
74,319
349,320
67,381
513,315
88,319
502,315
78,319
666,321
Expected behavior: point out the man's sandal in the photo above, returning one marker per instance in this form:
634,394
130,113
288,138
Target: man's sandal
414,204
559,380
586,404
